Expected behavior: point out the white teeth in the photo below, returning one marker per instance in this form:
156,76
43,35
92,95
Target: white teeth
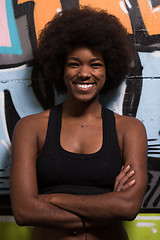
84,86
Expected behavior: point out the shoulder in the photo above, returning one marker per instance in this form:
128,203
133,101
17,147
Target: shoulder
129,124
33,120
133,135
132,131
31,124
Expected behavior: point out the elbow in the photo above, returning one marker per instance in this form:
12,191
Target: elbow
20,222
131,216
21,217
131,211
24,212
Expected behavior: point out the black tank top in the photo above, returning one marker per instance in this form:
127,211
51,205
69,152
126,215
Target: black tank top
60,171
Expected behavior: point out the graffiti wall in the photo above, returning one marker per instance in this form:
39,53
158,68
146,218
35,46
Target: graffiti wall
21,92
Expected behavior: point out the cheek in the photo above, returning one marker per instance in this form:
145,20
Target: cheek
69,75
103,79
103,76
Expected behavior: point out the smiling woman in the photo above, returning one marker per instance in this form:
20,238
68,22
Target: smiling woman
77,167
87,27
84,74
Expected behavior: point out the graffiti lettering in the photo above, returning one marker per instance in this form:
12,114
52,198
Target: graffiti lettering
21,22
118,9
152,197
5,38
43,12
151,16
150,12
9,41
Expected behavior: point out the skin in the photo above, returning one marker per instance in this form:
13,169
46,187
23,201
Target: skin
57,215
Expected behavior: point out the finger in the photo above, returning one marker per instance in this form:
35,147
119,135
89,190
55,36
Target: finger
124,180
128,185
123,172
43,196
126,169
122,168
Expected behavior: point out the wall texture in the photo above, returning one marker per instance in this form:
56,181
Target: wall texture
139,95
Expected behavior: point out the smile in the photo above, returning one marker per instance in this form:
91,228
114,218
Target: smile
84,86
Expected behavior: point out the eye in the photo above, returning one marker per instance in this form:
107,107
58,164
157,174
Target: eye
96,65
73,64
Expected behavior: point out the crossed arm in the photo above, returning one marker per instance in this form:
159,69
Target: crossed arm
95,209
66,210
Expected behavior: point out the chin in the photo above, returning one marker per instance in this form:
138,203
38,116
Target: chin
86,98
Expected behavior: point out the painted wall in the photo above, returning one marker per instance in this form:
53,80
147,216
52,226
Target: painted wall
139,95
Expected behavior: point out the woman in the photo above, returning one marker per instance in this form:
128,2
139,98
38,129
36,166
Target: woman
77,168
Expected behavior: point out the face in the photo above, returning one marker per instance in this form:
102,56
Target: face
84,74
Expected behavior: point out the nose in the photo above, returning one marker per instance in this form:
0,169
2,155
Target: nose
84,72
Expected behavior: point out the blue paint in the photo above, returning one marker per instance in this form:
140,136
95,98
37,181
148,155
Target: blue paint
148,109
114,99
18,82
15,48
20,73
150,62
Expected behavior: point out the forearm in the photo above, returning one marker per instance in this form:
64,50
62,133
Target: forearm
109,207
106,208
43,214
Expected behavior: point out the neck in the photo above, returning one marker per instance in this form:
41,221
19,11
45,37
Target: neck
80,109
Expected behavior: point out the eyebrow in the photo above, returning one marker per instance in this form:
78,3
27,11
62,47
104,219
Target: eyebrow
92,59
97,59
73,58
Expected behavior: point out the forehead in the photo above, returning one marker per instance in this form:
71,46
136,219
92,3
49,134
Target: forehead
84,53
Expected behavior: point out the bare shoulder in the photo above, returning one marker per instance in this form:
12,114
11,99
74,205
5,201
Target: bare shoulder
134,142
129,124
31,119
32,123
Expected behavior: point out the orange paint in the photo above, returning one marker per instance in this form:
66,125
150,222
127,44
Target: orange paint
151,17
113,7
43,12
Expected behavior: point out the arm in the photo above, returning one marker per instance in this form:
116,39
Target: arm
27,208
122,181
117,205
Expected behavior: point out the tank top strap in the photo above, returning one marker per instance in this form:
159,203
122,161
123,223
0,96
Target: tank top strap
109,129
54,123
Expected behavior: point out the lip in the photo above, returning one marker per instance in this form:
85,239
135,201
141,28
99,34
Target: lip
84,87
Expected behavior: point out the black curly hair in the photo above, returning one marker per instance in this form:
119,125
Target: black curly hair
95,29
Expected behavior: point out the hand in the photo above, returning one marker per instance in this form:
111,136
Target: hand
122,181
45,197
52,198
